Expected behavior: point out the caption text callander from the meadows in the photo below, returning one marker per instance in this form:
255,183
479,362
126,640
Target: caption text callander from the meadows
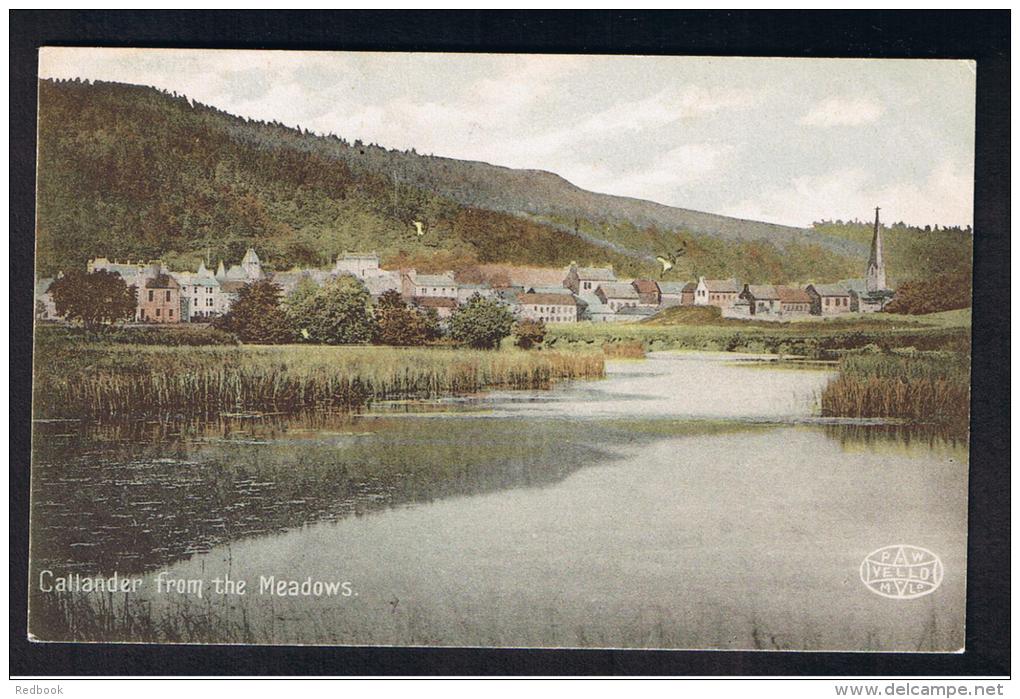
164,583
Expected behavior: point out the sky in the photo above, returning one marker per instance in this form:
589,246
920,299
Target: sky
783,140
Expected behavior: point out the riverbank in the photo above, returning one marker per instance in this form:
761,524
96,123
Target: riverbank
123,380
817,339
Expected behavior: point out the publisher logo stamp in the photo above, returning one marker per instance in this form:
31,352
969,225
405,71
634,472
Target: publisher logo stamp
902,571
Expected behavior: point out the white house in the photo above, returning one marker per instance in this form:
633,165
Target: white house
549,308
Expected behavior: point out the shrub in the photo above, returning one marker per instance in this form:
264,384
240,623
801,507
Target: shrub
256,316
481,323
337,313
529,333
397,324
93,298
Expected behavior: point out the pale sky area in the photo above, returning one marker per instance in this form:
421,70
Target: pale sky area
782,140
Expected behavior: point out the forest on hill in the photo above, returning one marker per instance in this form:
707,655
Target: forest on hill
133,172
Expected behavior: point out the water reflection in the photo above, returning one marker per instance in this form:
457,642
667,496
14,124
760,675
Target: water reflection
685,501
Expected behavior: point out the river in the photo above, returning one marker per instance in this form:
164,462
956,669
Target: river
686,501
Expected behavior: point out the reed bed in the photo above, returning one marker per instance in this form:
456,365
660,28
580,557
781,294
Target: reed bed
920,387
122,380
633,349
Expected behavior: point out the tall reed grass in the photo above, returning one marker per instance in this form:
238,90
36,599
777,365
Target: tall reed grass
921,387
119,380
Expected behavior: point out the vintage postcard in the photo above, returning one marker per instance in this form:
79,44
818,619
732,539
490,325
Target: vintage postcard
495,350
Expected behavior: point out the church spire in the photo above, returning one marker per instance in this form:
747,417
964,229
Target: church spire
876,262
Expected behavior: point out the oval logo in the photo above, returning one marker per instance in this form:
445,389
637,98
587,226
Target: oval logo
902,571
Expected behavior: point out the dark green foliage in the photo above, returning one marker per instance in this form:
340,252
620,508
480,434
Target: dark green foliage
481,323
93,299
256,315
944,292
337,313
911,252
397,324
529,333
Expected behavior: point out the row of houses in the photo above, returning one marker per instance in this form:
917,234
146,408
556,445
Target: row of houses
586,293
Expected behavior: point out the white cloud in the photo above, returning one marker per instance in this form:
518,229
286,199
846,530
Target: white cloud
945,196
663,180
837,111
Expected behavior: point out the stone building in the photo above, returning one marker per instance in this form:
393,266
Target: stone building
716,292
549,308
584,280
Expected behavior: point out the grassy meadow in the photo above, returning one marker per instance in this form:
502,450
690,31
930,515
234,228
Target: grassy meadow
702,329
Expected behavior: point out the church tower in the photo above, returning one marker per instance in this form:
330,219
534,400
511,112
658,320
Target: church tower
876,262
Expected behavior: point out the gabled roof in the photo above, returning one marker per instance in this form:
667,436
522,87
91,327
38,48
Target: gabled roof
433,280
547,300
594,304
859,286
548,290
762,291
646,286
618,290
675,287
830,289
792,294
596,274
722,286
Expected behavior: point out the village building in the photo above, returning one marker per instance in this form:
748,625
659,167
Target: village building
45,308
672,293
741,308
688,293
466,291
358,264
249,270
635,313
414,285
592,308
159,301
648,292
203,294
548,308
762,299
716,292
871,294
617,295
584,280
443,306
828,299
793,301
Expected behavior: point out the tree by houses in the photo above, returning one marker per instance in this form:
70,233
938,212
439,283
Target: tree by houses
93,298
338,313
397,324
944,292
481,323
529,333
256,315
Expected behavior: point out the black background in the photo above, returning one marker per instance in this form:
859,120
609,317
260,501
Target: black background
983,36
